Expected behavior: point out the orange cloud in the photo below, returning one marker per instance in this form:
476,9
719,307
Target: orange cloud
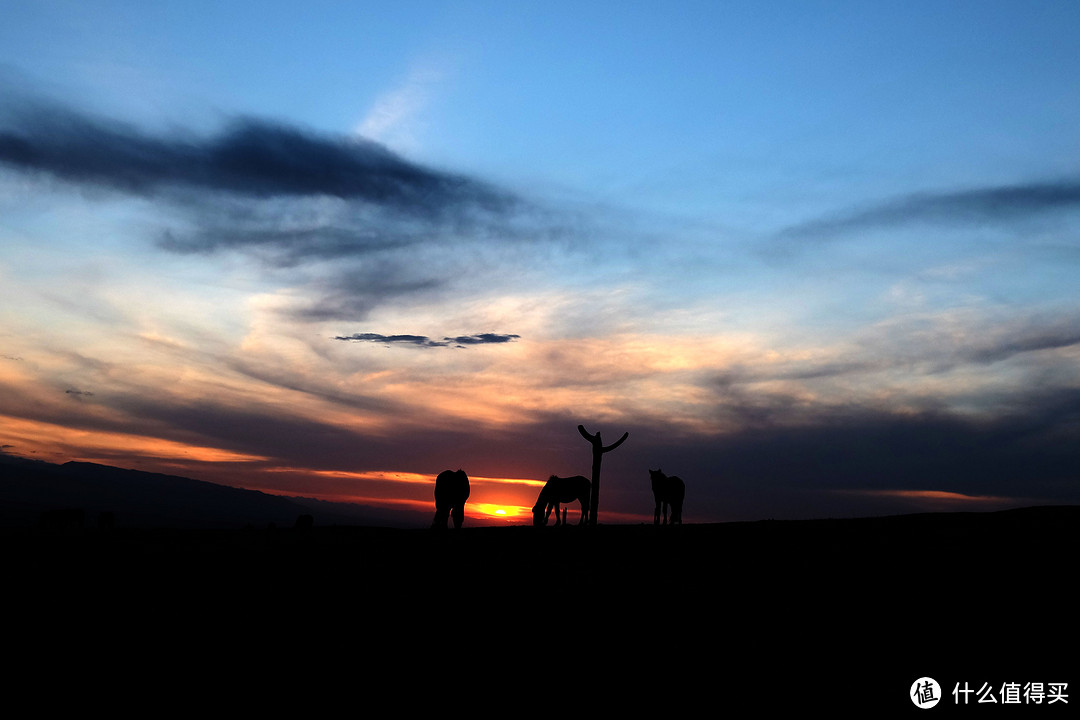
940,500
50,441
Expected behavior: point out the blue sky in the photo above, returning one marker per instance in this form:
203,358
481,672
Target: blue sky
819,258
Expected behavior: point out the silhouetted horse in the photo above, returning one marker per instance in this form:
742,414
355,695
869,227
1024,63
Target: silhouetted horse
561,490
667,491
451,492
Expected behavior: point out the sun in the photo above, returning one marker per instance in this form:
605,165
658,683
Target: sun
496,512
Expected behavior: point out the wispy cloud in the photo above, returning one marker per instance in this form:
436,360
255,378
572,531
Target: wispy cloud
394,117
978,205
918,346
426,342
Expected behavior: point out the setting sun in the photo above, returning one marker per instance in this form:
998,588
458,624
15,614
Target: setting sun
494,511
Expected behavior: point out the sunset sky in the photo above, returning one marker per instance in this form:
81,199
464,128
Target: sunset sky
820,259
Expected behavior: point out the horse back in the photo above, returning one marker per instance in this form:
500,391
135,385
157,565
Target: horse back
566,489
452,486
670,488
676,488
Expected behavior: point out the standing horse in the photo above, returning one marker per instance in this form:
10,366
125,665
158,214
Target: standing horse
561,490
451,492
667,491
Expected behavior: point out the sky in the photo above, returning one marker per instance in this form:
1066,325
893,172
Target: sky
818,259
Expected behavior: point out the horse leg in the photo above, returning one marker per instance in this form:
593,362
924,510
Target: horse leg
656,514
441,516
459,516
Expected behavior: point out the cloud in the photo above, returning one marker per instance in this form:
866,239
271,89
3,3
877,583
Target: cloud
393,118
424,341
351,294
483,339
250,157
979,205
919,346
823,463
363,225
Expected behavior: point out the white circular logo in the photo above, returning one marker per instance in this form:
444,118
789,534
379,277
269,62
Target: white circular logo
925,692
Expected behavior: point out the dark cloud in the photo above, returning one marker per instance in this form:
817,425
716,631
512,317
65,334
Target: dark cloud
979,205
1034,340
351,293
250,157
361,225
483,339
424,341
862,461
288,247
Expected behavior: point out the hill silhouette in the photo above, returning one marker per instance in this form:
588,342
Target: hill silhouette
33,492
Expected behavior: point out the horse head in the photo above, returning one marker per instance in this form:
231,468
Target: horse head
540,509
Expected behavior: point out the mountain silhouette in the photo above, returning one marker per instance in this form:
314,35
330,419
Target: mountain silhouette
82,493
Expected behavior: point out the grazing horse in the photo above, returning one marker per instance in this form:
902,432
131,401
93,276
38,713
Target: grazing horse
561,490
451,492
667,491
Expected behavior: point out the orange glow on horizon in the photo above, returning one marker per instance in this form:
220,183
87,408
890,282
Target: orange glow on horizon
495,511
493,499
939,499
937,495
405,477
44,440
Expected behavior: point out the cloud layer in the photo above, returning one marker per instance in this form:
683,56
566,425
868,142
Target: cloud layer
977,205
250,157
361,225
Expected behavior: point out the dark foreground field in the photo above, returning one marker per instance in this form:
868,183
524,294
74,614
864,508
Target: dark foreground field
835,615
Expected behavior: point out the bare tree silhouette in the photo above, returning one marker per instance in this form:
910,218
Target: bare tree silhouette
598,451
668,491
451,492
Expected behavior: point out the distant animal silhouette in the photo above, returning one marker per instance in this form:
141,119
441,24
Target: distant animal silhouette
561,490
668,492
451,492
